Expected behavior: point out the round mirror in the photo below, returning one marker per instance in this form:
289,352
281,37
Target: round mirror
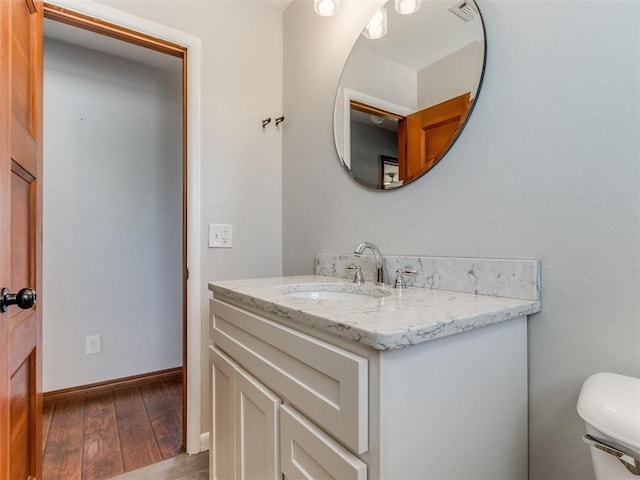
407,89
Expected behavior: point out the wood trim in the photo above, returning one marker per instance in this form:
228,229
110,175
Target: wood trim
75,19
109,386
402,150
363,107
31,6
185,236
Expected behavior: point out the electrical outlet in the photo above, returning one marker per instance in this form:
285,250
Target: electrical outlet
93,344
220,235
226,235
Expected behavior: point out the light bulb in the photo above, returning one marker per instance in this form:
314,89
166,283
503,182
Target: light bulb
377,26
406,7
326,8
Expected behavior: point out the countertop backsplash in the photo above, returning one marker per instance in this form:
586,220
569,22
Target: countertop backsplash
511,278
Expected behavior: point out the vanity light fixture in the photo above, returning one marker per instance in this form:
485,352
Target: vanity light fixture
377,26
407,7
326,8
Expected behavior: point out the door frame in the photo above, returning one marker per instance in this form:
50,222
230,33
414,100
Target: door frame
342,130
195,441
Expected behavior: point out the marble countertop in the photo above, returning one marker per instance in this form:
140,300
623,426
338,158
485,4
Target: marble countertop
397,320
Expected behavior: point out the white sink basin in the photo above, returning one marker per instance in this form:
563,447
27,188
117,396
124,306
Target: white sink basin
335,291
324,295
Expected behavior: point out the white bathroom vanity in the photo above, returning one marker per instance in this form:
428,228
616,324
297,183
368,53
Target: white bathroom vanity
317,377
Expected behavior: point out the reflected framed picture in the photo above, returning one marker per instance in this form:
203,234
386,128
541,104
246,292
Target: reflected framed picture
389,172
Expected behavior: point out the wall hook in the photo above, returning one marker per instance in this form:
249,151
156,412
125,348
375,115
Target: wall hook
266,122
279,120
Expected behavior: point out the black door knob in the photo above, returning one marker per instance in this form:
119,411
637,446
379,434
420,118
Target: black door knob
25,298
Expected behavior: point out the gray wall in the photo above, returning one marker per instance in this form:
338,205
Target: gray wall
547,168
112,241
451,76
371,142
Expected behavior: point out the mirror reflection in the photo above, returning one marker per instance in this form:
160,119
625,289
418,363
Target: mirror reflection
407,90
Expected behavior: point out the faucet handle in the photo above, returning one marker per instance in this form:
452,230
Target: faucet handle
400,282
359,278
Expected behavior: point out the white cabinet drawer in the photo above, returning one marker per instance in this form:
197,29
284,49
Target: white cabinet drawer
327,383
309,453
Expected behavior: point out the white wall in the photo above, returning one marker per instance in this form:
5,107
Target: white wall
547,168
398,85
112,241
453,75
241,161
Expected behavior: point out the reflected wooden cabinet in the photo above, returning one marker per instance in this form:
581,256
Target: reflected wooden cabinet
421,140
425,136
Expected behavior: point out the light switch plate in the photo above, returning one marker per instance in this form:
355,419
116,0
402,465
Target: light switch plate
220,235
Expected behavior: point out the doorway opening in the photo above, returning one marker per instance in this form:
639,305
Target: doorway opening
132,269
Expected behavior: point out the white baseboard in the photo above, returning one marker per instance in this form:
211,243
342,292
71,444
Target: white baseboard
204,441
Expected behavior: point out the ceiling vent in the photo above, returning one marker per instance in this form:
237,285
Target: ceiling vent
463,10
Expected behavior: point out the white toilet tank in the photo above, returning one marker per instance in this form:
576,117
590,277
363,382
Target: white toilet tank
609,404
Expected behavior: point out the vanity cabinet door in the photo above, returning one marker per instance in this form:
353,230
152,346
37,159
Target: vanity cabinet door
221,424
309,453
244,424
256,430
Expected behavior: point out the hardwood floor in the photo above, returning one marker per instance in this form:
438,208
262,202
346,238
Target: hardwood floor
98,437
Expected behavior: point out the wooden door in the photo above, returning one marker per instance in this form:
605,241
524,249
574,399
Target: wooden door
429,134
20,236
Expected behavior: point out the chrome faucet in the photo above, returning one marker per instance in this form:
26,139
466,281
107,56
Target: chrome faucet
381,270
